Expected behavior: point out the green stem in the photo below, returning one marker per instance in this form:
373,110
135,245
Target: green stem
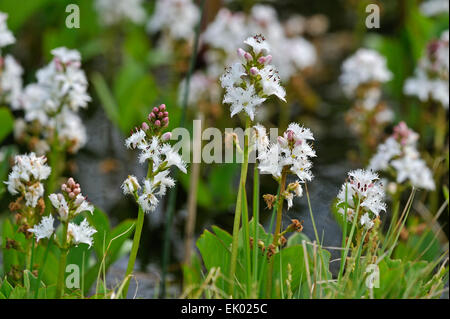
32,254
350,237
41,270
246,230
62,263
237,213
277,229
134,249
255,221
344,233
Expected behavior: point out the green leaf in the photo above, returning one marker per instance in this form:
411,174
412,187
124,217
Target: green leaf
6,287
106,98
6,122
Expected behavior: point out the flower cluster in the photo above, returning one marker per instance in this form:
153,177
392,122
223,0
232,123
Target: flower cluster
363,196
113,12
203,89
10,70
225,33
68,204
51,104
160,156
434,7
399,154
26,176
291,154
176,19
250,82
6,36
365,67
361,79
432,75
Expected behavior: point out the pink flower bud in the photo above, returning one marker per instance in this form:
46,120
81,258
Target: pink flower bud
63,187
289,135
262,60
248,56
158,123
166,114
254,71
145,126
77,191
155,110
166,120
151,116
166,136
268,59
71,182
162,107
160,114
241,52
71,195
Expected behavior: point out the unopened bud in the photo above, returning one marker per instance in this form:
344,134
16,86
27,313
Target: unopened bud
254,71
162,107
166,136
145,126
158,123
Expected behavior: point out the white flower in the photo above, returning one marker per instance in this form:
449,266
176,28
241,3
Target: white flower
365,66
261,138
172,158
33,193
130,185
25,177
415,170
59,202
71,131
292,151
243,100
66,56
364,191
271,82
434,7
232,76
202,88
137,138
227,31
399,153
11,82
176,17
163,181
366,221
430,81
115,11
81,234
151,151
148,200
82,205
385,152
6,36
44,229
258,44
